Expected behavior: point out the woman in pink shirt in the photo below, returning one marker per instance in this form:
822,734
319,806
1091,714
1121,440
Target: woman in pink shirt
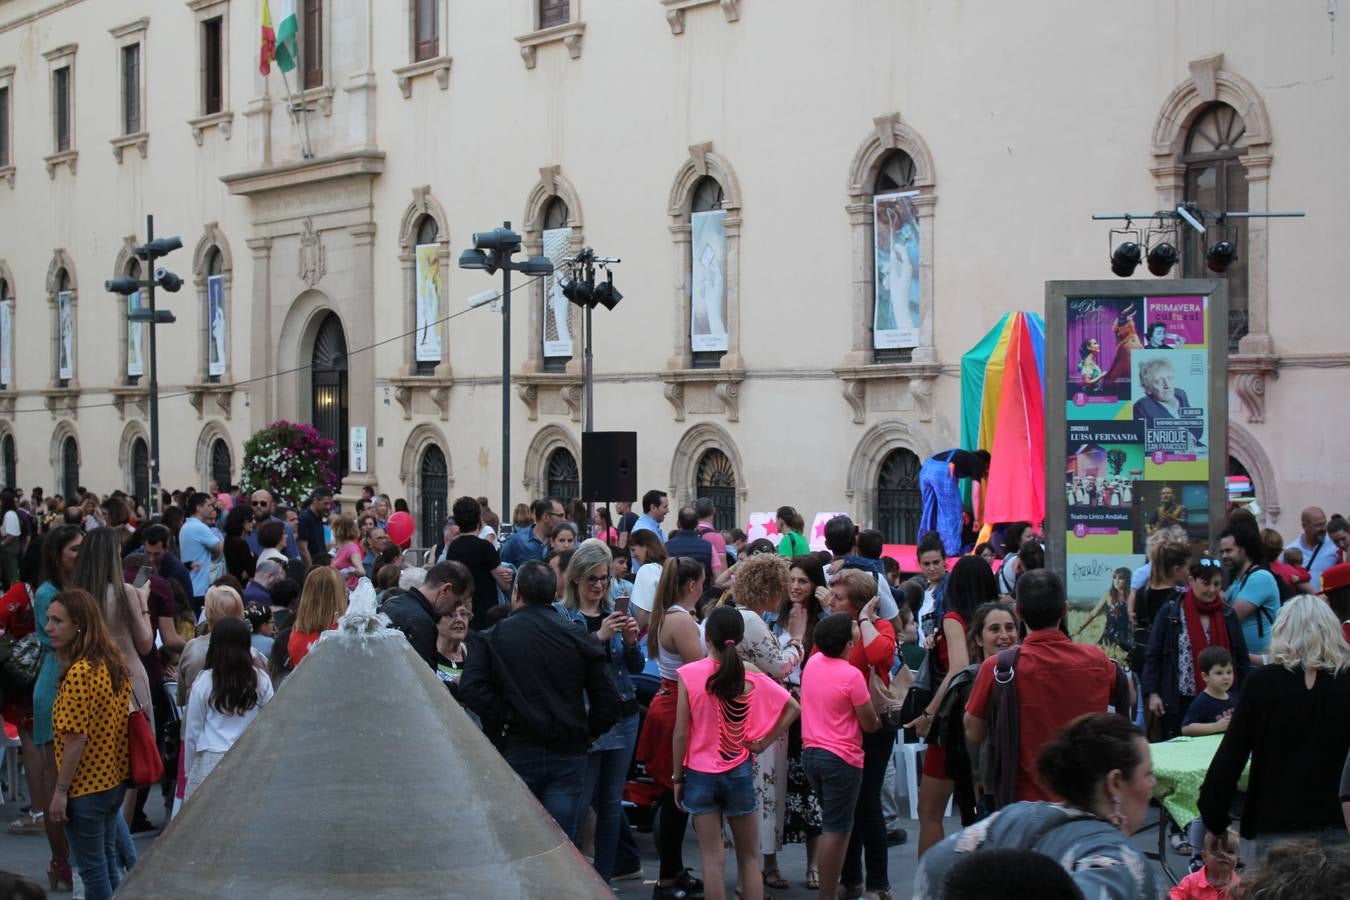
836,710
725,712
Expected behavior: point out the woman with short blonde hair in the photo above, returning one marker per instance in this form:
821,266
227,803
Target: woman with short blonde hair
323,600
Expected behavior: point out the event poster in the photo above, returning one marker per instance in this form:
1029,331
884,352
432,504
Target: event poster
557,331
1137,432
428,302
135,337
215,317
897,315
6,342
65,319
707,318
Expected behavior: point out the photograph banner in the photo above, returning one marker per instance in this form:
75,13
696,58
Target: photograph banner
1174,323
428,302
557,333
6,342
1170,397
215,316
135,337
65,317
1103,335
707,318
897,313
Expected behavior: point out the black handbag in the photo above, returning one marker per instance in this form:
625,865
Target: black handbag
20,661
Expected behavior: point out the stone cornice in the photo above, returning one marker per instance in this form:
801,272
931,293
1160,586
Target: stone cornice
367,163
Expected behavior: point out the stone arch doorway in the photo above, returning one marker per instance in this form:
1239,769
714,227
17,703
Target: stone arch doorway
328,385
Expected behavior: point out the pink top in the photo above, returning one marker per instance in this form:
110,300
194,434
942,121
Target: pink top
351,557
831,688
718,731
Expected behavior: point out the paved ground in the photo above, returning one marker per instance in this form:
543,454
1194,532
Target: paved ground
28,855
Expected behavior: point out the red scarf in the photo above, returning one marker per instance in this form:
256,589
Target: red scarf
1192,610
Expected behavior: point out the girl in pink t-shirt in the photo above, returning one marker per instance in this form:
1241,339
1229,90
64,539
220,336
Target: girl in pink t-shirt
836,710
726,711
348,558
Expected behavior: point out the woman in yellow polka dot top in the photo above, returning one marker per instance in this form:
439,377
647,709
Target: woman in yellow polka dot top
89,727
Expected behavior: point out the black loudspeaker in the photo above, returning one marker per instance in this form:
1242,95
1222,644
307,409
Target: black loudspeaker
608,466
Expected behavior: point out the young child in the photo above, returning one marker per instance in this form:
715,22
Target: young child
725,712
836,710
1211,710
1293,558
1218,877
349,558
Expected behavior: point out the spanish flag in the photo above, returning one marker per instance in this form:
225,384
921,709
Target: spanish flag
279,43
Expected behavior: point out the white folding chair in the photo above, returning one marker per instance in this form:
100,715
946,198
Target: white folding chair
908,756
11,760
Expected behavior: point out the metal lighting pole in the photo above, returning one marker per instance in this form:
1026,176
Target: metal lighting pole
506,382
155,495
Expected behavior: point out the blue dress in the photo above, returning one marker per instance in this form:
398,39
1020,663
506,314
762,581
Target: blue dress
44,689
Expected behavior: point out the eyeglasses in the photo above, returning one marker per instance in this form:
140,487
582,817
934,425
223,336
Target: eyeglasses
597,579
258,502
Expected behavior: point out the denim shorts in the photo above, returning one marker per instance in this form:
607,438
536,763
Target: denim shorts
731,793
836,785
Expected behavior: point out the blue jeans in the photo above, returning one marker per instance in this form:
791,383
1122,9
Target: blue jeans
941,495
92,833
554,779
602,788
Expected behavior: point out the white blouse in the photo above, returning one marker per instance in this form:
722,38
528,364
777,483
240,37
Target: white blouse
205,729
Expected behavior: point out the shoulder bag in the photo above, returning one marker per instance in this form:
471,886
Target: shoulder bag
147,766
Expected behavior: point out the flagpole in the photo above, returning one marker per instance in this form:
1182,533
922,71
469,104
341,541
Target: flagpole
305,149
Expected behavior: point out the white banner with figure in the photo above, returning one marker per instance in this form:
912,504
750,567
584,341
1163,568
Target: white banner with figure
428,302
135,337
215,318
65,319
897,319
557,334
707,317
6,341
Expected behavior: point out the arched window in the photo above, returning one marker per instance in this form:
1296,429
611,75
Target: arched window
716,480
563,478
6,335
328,386
895,290
1216,180
221,465
556,332
708,318
70,467
433,484
140,473
135,342
11,461
898,500
428,297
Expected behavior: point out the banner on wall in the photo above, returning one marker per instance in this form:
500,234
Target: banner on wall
1140,416
707,316
215,317
65,317
135,337
557,333
6,341
897,315
428,302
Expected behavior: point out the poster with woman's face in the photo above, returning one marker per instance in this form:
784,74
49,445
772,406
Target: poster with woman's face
6,334
707,315
135,337
897,313
428,302
215,318
1103,333
65,364
557,331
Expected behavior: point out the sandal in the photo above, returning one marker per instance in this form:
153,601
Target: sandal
27,823
812,879
1180,845
774,879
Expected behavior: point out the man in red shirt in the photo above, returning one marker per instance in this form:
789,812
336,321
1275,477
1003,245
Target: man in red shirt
1056,680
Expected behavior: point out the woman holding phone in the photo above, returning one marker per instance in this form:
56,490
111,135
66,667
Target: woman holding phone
586,600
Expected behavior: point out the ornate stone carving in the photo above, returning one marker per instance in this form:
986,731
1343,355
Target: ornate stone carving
530,394
58,399
1249,382
729,392
440,66
704,391
675,10
138,396
222,120
141,141
855,392
569,34
436,387
551,393
313,265
893,382
403,394
674,392
573,396
921,389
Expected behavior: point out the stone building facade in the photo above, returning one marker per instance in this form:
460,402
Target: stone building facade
418,122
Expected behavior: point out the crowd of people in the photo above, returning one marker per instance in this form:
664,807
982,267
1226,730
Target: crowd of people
760,688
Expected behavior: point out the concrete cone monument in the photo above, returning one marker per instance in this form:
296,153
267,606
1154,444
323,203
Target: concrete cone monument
363,778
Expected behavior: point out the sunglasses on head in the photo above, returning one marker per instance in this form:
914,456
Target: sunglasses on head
1207,562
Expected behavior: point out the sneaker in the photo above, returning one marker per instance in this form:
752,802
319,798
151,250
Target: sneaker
635,875
28,823
693,887
896,836
142,824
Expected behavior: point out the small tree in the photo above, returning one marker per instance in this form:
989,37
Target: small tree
290,460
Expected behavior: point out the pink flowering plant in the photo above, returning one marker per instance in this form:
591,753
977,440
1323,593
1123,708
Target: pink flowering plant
290,459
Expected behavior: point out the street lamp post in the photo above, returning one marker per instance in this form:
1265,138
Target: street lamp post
492,250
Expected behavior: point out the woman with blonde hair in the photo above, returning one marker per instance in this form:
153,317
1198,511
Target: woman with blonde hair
1293,721
221,603
89,723
323,600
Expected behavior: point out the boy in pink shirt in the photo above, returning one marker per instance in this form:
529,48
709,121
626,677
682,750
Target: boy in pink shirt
836,709
725,712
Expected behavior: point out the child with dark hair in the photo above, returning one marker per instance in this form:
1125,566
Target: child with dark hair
1211,710
224,700
725,711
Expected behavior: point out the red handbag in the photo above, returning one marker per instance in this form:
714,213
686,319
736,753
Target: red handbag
147,767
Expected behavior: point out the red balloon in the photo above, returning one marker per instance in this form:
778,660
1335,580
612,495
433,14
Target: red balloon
400,529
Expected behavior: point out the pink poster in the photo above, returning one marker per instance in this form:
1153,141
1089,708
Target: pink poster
1174,322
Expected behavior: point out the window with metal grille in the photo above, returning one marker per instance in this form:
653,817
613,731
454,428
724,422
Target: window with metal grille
311,47
131,89
4,126
555,216
70,467
716,480
213,67
554,12
61,108
328,387
11,456
707,196
1216,180
896,174
899,503
564,480
426,234
221,465
433,482
140,472
426,39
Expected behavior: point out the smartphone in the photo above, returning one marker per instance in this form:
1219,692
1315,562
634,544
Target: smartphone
621,604
142,576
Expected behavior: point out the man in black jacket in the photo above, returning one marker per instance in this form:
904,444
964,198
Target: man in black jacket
416,611
542,669
479,555
687,540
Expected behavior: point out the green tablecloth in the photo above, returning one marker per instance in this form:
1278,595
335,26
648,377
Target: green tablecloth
1180,766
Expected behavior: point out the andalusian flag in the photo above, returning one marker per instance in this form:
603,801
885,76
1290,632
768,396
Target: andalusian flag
278,43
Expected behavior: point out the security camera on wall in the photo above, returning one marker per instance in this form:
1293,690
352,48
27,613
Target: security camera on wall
484,298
